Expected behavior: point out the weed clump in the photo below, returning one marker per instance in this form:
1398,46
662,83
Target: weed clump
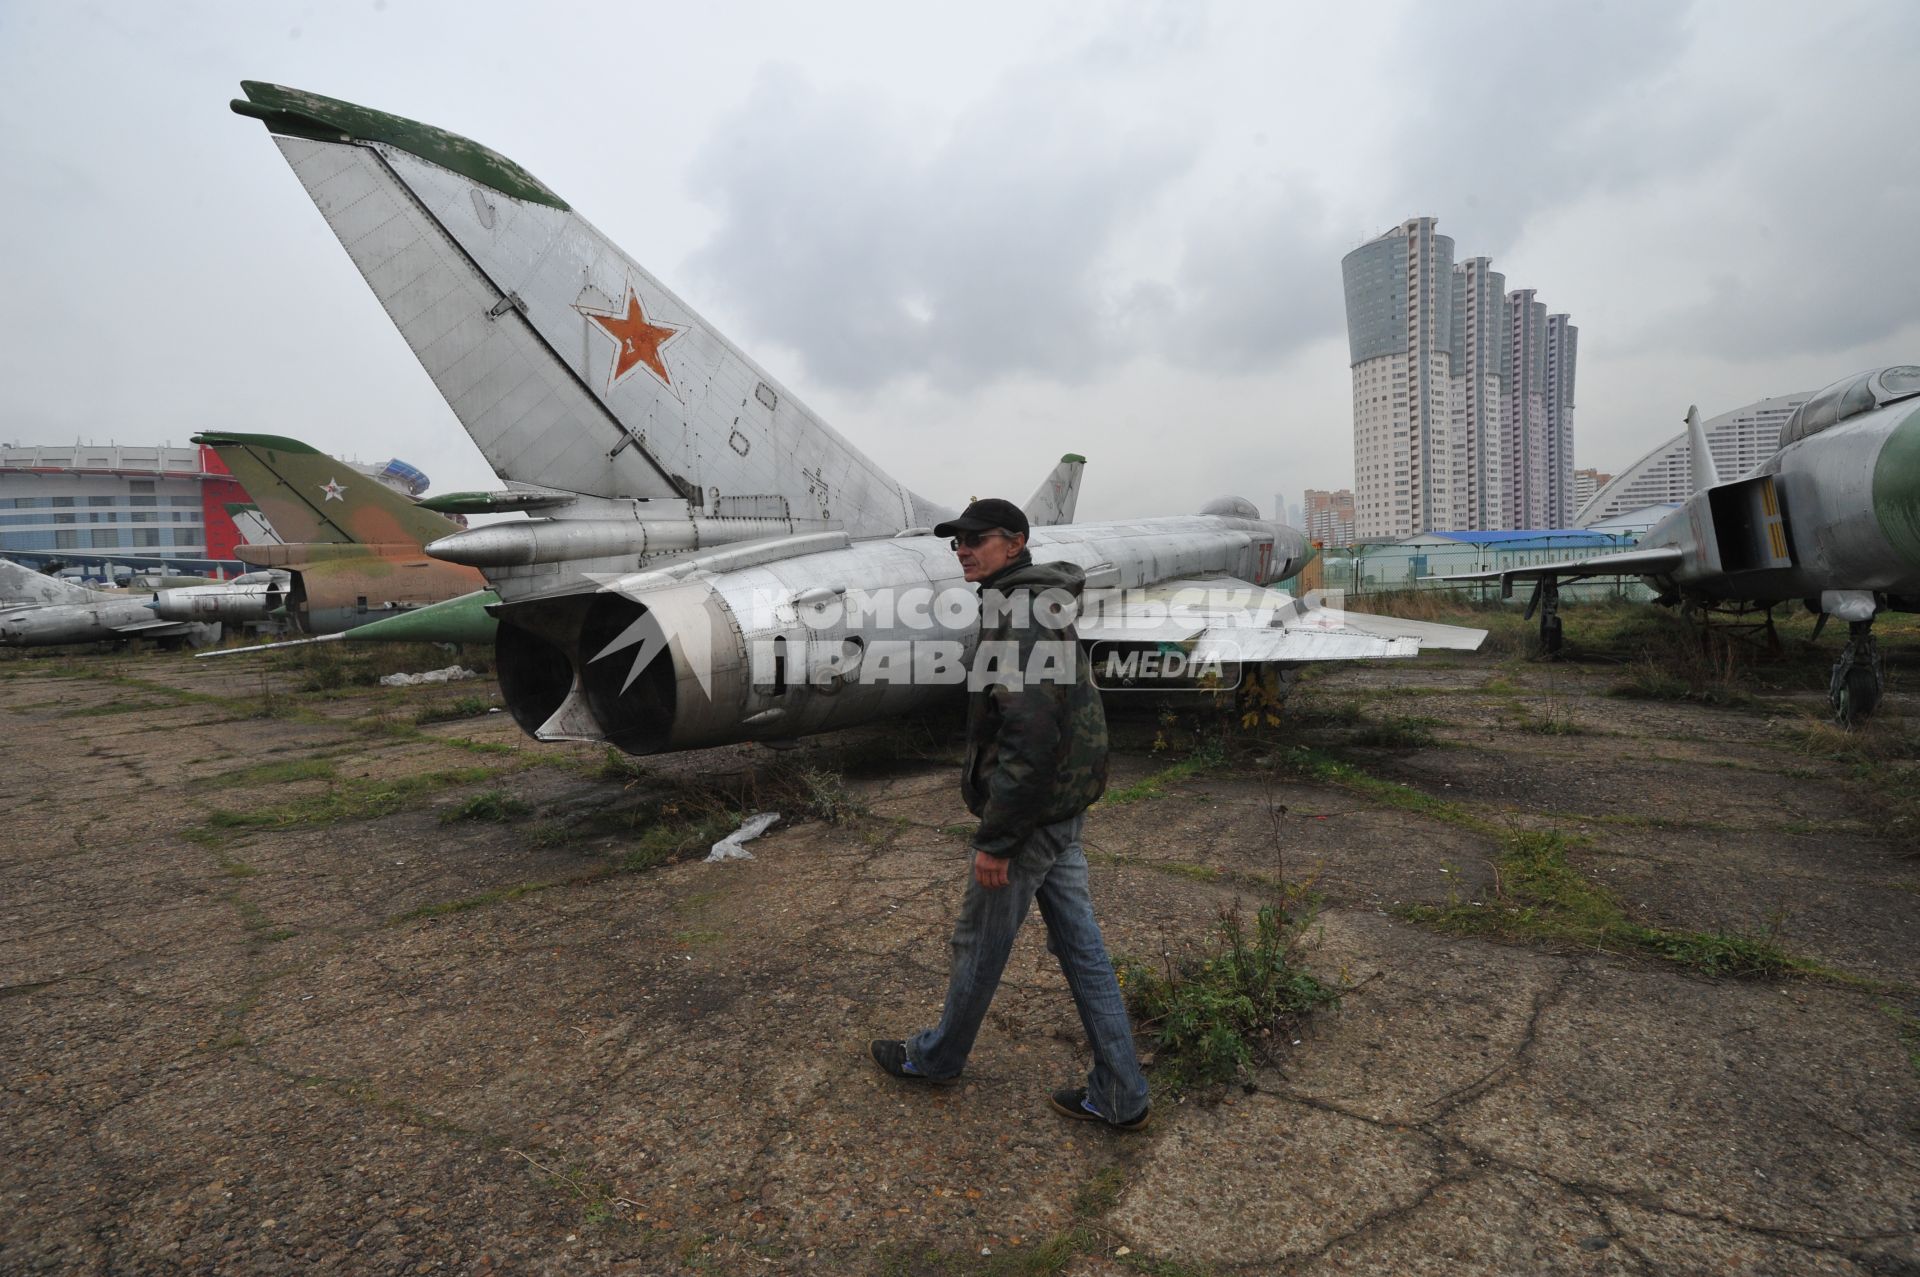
1556,721
823,795
491,805
1700,681
464,707
1215,1014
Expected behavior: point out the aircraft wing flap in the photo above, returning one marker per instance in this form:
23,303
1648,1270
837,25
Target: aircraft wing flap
1225,615
1179,610
1458,638
1237,644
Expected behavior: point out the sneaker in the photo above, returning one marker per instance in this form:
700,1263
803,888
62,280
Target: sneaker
1072,1102
891,1055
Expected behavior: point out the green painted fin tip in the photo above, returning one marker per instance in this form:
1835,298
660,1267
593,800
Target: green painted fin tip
297,113
227,439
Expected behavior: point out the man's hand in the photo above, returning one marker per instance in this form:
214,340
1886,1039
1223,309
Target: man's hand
989,871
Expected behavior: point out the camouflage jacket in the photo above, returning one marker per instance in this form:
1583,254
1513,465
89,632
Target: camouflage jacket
1036,734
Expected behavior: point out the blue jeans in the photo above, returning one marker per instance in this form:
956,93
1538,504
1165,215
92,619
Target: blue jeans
1049,867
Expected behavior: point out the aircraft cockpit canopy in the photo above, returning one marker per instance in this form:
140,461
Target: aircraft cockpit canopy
1237,507
1844,399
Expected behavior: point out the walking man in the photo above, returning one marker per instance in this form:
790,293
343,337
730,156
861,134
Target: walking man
1036,758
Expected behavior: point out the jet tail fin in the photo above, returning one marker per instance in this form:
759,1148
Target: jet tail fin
310,497
1705,473
1053,502
570,365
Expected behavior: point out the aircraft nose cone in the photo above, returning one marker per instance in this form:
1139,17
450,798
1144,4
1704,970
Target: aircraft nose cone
1896,488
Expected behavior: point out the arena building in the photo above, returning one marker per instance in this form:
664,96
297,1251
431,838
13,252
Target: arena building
136,507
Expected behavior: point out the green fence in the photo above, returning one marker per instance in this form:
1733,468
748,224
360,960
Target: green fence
1392,568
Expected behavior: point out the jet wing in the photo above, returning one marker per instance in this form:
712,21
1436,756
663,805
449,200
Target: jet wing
1652,562
158,625
1236,620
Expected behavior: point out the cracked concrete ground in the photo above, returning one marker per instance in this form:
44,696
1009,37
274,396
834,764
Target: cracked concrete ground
385,1043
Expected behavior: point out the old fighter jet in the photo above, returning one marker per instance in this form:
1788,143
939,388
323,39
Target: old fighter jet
37,610
704,554
349,551
1832,518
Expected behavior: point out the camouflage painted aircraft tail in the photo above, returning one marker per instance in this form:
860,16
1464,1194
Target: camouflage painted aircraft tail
351,545
309,497
570,366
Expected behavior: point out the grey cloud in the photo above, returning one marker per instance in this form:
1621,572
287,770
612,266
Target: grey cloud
1817,208
1259,277
969,258
1514,107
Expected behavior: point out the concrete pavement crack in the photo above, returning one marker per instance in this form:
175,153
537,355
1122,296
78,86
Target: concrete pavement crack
1544,1001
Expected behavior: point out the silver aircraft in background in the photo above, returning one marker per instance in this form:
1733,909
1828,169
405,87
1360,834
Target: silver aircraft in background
38,610
1831,519
706,561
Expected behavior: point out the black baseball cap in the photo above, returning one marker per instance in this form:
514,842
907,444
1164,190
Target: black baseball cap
984,516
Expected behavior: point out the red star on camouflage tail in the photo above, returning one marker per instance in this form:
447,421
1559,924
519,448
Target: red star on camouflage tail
636,339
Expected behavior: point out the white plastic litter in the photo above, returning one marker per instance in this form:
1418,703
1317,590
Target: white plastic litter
729,848
451,674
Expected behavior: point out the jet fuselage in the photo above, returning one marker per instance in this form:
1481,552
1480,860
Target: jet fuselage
789,647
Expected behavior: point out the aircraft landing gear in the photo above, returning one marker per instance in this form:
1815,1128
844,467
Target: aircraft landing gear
1546,598
1857,680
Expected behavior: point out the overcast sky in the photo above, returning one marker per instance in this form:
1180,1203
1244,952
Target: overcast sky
977,236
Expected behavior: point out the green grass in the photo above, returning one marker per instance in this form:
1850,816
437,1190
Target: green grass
614,765
672,840
645,834
281,773
120,707
357,798
1101,1193
1210,756
1216,1013
1542,898
1878,761
491,806
447,711
1314,764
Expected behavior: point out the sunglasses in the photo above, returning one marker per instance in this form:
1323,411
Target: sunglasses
973,540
